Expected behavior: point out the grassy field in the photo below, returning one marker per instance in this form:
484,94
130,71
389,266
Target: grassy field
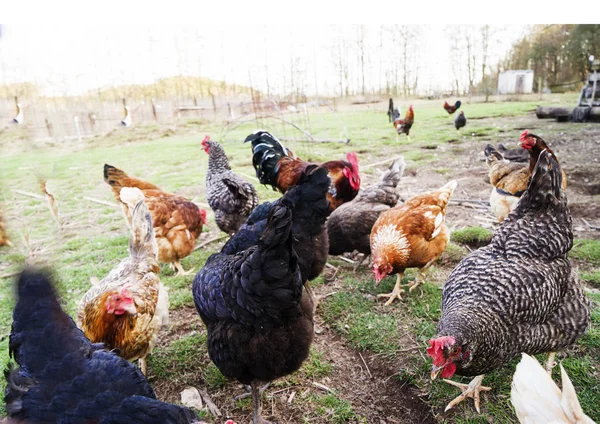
90,238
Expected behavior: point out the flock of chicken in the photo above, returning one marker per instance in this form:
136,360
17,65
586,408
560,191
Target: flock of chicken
516,295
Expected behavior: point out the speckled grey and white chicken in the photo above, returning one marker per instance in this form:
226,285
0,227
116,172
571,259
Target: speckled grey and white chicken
515,295
230,197
350,225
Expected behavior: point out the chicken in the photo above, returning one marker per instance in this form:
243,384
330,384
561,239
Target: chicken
230,197
260,325
4,240
413,235
349,226
516,294
451,109
460,121
177,221
63,378
509,180
513,155
274,166
538,400
126,309
310,209
402,125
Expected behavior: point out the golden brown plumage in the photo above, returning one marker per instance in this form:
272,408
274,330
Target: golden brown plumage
126,309
4,240
410,236
177,221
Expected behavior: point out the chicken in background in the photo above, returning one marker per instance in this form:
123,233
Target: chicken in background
509,180
412,235
349,226
513,155
402,126
259,322
62,377
177,221
451,109
4,240
460,121
538,400
231,198
276,167
516,294
310,209
126,309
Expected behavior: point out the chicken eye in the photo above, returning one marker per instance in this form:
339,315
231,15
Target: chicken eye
118,298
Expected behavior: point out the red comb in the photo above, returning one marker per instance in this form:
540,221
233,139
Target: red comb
524,135
436,346
206,138
353,159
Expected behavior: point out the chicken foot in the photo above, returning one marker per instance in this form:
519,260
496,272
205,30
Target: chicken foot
471,390
396,293
420,276
180,271
249,392
256,392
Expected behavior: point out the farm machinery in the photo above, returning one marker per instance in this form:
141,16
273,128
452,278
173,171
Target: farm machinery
588,103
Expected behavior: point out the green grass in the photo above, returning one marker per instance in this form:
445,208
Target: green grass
472,236
586,250
93,238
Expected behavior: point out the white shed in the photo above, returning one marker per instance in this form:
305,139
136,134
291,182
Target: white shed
515,82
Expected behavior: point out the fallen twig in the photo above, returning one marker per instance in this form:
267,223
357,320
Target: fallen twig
363,360
26,193
209,241
345,259
291,398
590,226
322,387
208,401
370,165
10,274
102,202
476,201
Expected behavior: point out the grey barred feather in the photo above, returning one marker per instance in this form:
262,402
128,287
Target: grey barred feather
230,197
518,294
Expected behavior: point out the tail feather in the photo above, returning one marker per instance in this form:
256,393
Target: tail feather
536,398
446,191
267,152
394,173
279,226
545,183
114,176
142,241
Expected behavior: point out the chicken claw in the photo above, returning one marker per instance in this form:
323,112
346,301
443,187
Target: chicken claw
180,270
395,294
471,390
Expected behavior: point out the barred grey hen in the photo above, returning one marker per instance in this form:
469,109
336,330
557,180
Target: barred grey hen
517,294
349,226
230,197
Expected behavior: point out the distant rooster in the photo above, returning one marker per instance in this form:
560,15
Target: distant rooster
537,399
402,126
452,109
231,198
276,166
460,121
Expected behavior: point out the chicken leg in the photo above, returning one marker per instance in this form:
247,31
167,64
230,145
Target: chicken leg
420,276
180,270
364,256
471,390
550,363
395,294
256,401
142,365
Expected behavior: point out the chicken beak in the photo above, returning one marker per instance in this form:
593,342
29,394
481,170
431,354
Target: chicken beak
435,371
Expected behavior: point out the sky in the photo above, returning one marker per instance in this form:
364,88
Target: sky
70,59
